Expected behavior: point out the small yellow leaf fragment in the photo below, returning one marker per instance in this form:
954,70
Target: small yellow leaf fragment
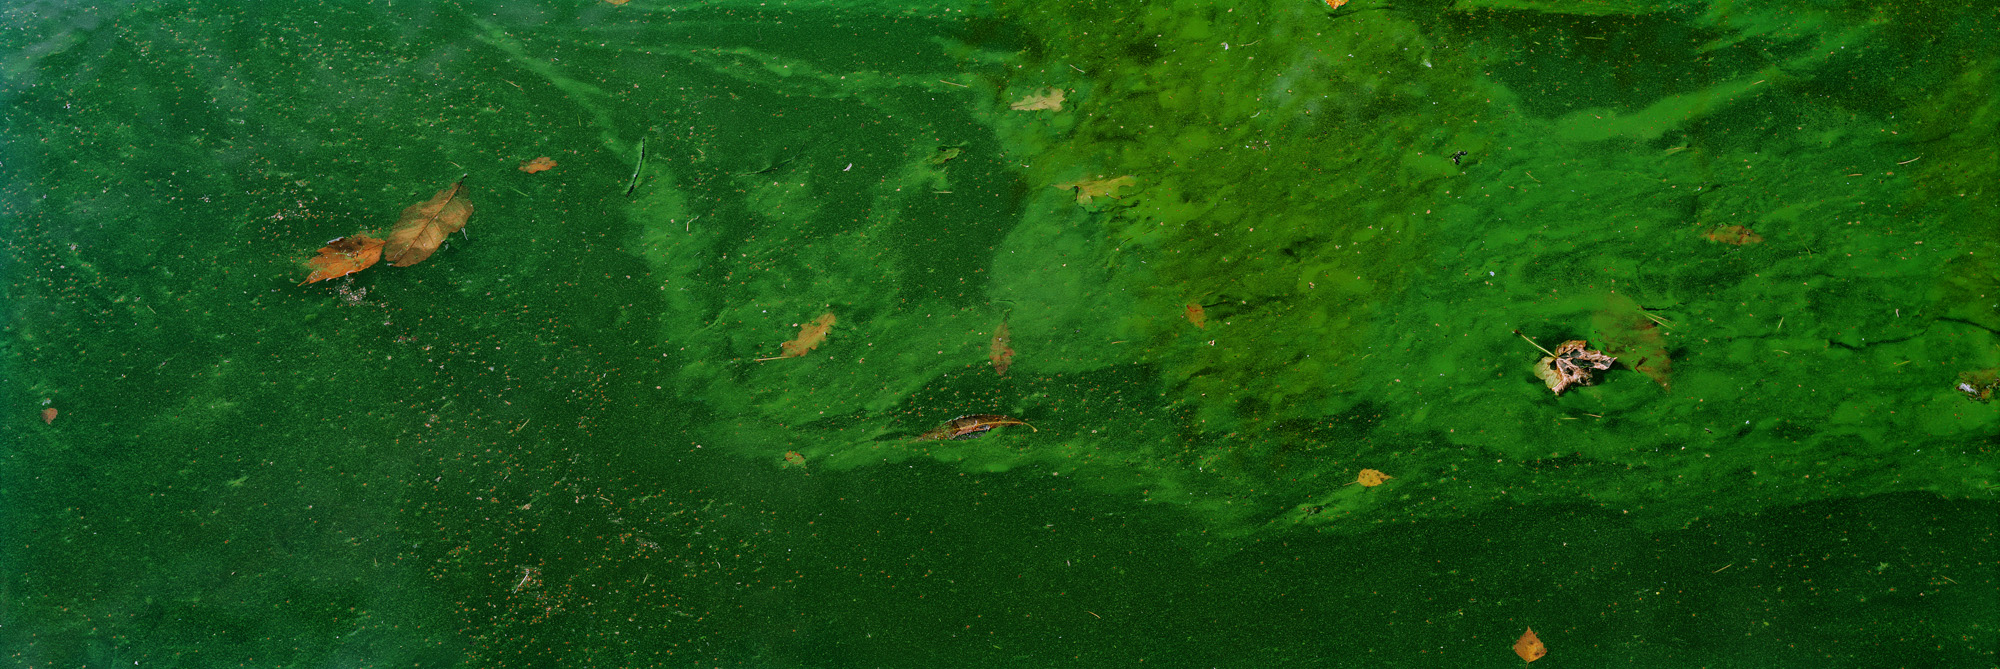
1049,98
1086,189
1370,478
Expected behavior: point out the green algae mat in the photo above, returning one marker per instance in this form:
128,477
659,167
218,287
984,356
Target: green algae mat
844,334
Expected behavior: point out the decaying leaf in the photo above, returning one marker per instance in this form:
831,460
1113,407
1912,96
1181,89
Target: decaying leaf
1335,4
424,226
1571,366
1094,188
796,459
944,155
537,165
1529,647
1979,385
1001,354
1197,316
1049,98
1633,335
49,415
1370,478
342,257
810,336
1732,234
970,426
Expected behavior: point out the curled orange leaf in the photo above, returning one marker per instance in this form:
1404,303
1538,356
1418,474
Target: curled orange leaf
344,256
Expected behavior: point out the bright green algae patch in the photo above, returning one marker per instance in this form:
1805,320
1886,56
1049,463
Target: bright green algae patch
1298,175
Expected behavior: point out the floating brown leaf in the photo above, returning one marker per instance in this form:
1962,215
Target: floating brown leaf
1979,385
1049,98
970,426
1197,316
810,335
543,163
342,257
1002,355
424,226
1529,647
1093,188
1571,365
1733,234
1634,336
796,459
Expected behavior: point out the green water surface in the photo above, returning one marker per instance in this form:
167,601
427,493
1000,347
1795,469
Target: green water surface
563,441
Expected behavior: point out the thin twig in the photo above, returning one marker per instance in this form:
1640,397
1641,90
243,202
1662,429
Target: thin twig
641,167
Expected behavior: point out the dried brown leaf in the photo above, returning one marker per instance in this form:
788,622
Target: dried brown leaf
1571,366
424,226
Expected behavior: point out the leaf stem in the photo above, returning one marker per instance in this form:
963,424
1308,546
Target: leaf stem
1531,342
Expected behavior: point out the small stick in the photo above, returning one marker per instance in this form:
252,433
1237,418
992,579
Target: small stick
1718,571
1531,342
690,224
639,168
941,81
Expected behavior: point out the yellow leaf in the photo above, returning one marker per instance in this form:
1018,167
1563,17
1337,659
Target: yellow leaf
1092,188
1050,99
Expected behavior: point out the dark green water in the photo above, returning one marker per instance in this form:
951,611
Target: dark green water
553,444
